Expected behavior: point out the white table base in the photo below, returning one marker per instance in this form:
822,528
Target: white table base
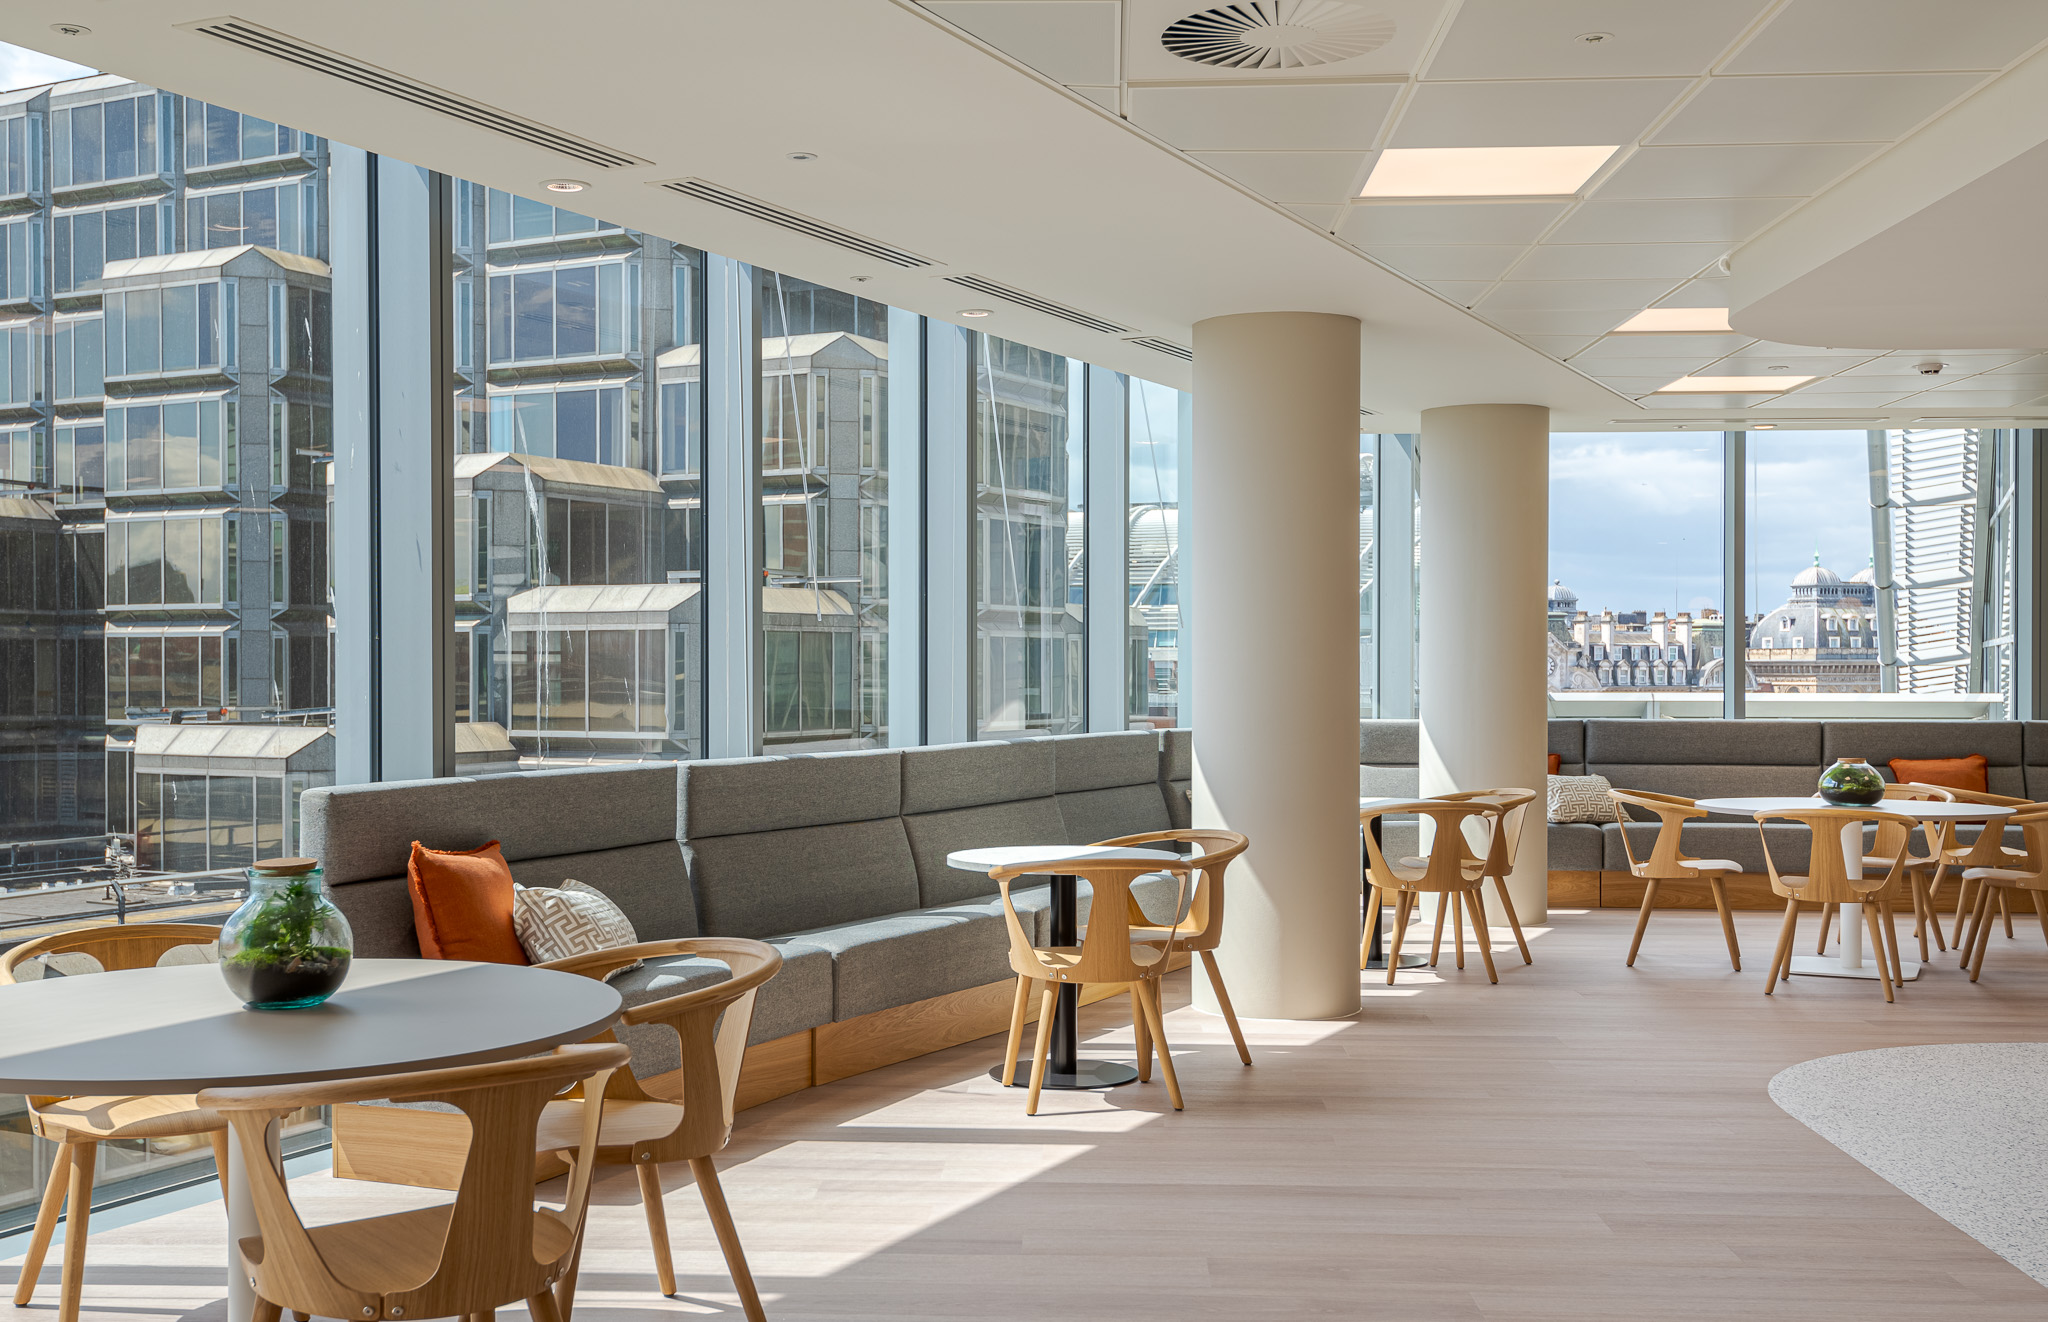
1850,962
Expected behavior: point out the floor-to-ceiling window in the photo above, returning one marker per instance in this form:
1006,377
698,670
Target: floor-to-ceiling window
1152,556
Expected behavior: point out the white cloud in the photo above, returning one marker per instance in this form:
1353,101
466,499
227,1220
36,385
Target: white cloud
21,67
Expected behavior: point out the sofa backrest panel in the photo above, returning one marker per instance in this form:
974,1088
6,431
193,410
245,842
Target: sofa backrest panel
379,913
1389,743
1878,742
1724,743
1568,741
1177,771
947,776
648,883
1108,785
735,796
1709,781
1105,814
933,835
363,832
766,883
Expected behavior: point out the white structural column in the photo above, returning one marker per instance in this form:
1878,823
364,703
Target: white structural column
1272,566
1485,476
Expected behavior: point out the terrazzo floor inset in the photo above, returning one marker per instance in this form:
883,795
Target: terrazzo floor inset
1957,1127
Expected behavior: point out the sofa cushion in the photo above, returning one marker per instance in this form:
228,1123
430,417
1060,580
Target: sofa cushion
880,963
362,832
947,776
1389,743
1104,761
1878,742
933,835
648,883
1710,781
1717,743
1568,746
1575,847
771,883
462,903
738,796
1105,814
1389,782
1956,773
1177,773
797,998
379,914
1737,841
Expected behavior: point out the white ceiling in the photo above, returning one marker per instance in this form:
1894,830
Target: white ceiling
1161,191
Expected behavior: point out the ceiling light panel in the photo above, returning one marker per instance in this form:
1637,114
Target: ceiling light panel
1764,170
1291,176
1697,349
1854,108
1733,385
1538,321
1316,117
1484,171
1449,222
1672,262
1854,36
1074,42
1675,321
1532,114
1725,221
1517,39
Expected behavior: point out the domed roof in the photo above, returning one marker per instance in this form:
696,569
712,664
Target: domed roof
1868,574
1815,576
1562,597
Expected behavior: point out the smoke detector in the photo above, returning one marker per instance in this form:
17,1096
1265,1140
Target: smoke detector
1930,368
1277,34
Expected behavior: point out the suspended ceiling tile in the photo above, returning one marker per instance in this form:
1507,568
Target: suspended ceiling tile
1766,170
1322,217
1840,36
1633,386
1109,98
1328,117
1811,350
1518,39
1664,369
1557,346
1692,348
1447,261
1977,399
1801,400
1542,321
1617,261
1069,41
1953,365
1462,292
1726,221
1709,292
1456,222
1147,60
1704,402
1752,362
2038,364
1291,176
1568,113
1624,296
1877,107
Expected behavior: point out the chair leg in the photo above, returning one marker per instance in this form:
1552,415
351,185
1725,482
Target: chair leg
657,1224
1436,940
2041,912
1970,941
1458,925
2005,910
1485,939
1786,930
1373,902
1401,907
1015,1042
542,1306
1827,918
1042,1045
1891,940
1643,919
1920,914
46,1224
1507,904
77,1226
1981,928
1720,890
729,1235
1884,966
1151,999
1223,1003
1142,1036
265,1311
1965,907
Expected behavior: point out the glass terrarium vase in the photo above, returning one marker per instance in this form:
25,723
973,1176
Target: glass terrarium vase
1852,783
287,947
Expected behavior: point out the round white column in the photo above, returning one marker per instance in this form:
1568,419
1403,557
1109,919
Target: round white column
1272,565
1485,478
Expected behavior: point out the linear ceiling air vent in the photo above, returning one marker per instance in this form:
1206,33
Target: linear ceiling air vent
983,285
1167,347
291,50
790,220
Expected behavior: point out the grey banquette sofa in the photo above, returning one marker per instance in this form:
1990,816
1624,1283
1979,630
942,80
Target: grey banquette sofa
838,859
1701,759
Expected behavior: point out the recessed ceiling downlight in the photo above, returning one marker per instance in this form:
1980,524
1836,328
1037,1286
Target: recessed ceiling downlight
1277,34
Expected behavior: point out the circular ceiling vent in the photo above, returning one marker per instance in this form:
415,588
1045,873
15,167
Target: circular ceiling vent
1277,34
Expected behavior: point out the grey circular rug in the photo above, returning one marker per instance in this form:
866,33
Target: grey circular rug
1959,1127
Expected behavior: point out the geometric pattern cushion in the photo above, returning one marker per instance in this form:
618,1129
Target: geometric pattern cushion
570,919
1579,799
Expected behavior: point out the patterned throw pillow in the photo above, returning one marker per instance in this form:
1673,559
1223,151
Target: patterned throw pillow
1579,799
569,919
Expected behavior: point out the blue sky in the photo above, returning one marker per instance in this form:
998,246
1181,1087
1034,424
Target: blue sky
27,68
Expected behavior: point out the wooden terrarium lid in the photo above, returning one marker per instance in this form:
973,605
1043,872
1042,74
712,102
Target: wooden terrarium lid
286,867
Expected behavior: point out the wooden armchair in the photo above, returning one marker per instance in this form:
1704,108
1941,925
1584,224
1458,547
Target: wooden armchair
645,1131
78,1125
1111,951
2027,874
1987,850
1668,862
489,1248
1444,873
1200,932
1827,881
1499,858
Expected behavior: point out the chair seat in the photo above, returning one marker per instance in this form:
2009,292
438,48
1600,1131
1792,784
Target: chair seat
174,1116
1695,864
2010,875
1062,959
625,1123
392,1254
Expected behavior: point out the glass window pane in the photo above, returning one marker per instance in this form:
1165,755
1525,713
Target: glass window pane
562,680
141,307
576,425
533,334
233,835
181,671
184,823
181,563
611,679
576,311
145,562
181,444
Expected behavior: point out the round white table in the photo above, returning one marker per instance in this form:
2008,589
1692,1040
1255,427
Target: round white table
179,1029
1850,962
1064,1068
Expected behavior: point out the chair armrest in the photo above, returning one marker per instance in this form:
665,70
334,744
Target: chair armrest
601,964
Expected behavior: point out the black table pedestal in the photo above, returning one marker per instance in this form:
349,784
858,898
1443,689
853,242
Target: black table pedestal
1375,956
1063,1069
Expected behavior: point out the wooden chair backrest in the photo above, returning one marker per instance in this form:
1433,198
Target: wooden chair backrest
1202,927
126,946
1106,952
1827,879
2033,820
1667,861
710,1024
488,1257
1987,849
1443,869
1893,841
1506,836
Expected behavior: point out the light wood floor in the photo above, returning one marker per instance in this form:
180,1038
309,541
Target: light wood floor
1583,1141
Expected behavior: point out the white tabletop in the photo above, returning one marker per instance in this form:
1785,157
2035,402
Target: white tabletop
1925,810
1010,856
179,1029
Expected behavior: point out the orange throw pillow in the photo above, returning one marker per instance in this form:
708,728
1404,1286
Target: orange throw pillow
462,904
1955,773
1556,761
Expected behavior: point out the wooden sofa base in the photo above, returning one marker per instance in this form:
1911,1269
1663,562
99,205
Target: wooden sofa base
1621,890
393,1145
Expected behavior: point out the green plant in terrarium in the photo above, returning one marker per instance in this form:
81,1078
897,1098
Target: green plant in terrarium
285,928
287,947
